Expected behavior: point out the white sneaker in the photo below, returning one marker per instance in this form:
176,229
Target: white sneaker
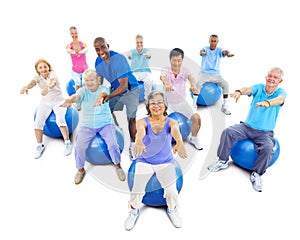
131,220
175,218
68,148
256,180
39,151
218,165
195,142
225,110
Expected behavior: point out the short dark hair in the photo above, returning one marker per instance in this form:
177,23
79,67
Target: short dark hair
176,52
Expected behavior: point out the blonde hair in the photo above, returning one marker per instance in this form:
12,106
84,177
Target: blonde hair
91,73
44,61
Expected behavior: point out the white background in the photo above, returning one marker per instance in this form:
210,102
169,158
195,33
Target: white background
38,197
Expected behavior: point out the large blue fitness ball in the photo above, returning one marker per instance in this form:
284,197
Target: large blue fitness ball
185,124
210,93
70,87
243,153
142,91
154,192
97,152
52,130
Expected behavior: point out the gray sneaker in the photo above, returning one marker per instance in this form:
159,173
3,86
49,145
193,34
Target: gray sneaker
218,165
225,110
39,151
256,181
131,220
121,174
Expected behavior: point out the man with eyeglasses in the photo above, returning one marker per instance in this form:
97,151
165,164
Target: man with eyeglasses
259,125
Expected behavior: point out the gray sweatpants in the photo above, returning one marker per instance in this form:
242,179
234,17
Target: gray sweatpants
263,141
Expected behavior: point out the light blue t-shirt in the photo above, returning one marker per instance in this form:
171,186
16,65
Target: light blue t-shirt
211,64
139,63
94,117
263,118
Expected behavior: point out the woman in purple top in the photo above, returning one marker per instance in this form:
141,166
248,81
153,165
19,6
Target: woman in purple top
154,152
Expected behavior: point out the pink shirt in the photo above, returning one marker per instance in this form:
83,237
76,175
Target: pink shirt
180,83
79,62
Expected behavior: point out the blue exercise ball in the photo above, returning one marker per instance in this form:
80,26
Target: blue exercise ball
70,87
185,124
244,155
154,192
142,91
97,152
209,94
52,130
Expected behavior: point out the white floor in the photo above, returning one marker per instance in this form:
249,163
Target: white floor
40,201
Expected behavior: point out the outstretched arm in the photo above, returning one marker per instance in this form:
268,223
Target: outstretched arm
227,53
72,99
193,87
139,147
179,146
243,91
27,87
272,102
164,79
84,49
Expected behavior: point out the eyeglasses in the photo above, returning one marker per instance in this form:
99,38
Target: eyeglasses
272,76
156,103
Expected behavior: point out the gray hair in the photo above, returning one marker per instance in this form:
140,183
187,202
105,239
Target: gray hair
279,69
151,96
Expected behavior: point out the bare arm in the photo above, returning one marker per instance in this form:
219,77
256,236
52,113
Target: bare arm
272,102
227,53
243,91
72,99
84,49
164,79
179,146
193,87
69,50
139,147
104,97
27,87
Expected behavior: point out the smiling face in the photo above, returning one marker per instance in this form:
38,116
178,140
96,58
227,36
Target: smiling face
91,80
74,33
139,44
273,78
43,69
176,63
102,50
213,42
157,105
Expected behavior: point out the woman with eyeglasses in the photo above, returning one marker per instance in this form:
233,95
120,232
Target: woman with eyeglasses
155,154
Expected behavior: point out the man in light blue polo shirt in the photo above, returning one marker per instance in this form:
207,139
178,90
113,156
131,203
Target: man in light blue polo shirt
259,125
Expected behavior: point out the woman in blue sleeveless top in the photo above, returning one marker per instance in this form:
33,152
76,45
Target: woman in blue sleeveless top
154,152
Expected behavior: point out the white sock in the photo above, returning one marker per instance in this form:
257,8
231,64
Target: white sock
67,141
195,98
225,102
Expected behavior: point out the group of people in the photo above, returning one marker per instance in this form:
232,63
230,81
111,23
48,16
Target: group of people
150,137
